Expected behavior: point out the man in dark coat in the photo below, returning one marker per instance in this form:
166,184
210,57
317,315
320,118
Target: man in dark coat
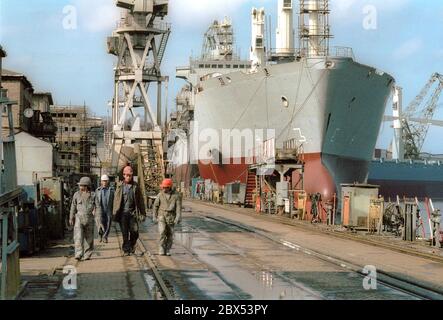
129,209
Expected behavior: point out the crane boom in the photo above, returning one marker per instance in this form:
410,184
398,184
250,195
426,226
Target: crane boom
416,131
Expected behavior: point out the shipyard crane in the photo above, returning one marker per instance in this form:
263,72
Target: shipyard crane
412,126
416,132
139,43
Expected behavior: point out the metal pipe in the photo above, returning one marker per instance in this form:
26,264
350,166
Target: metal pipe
285,30
159,103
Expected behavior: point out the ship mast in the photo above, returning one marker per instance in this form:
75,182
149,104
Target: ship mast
285,30
257,55
314,28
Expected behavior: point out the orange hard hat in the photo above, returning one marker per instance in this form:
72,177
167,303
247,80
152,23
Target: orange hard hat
167,183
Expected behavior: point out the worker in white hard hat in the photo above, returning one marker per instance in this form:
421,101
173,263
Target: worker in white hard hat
104,208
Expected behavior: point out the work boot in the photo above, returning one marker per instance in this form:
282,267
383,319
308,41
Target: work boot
168,254
105,240
161,252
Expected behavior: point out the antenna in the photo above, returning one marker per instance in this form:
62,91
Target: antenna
270,33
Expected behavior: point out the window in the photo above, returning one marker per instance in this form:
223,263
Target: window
66,143
74,129
73,115
67,115
235,66
207,65
63,157
214,66
220,66
62,170
201,65
73,144
60,115
242,66
287,4
70,157
259,42
66,129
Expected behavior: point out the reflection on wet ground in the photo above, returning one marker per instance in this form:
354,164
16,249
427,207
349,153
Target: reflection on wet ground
242,265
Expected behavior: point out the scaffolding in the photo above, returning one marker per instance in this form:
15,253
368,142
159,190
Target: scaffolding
77,137
314,28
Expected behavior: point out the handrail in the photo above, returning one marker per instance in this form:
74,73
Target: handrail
334,51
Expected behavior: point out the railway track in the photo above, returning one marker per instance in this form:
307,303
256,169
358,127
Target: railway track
166,293
408,289
340,235
396,283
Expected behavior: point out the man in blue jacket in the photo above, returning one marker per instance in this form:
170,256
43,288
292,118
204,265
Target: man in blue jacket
104,208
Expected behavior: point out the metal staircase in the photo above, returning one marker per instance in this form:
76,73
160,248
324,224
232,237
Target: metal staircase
163,44
251,186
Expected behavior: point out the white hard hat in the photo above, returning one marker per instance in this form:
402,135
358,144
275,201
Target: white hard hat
105,178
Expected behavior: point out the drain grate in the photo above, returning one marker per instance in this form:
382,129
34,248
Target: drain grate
40,288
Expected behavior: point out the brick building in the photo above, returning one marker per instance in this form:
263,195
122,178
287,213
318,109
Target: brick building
78,137
19,89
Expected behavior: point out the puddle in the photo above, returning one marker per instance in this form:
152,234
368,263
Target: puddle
246,284
154,288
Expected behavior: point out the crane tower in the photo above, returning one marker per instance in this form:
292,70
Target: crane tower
139,42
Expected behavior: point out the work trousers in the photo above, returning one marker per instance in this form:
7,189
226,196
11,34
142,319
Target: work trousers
129,228
84,236
166,231
105,225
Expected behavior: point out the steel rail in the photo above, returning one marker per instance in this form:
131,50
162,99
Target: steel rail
389,280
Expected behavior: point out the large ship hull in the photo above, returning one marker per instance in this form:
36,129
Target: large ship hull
334,111
407,179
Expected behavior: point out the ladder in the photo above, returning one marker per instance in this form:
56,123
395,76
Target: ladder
163,44
160,51
152,166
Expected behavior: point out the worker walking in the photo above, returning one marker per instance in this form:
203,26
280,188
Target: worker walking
82,218
129,209
168,213
104,205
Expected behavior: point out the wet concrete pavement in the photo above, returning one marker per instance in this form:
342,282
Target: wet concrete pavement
412,268
107,276
214,260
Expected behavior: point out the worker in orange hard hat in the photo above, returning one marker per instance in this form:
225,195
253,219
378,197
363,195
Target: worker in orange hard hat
168,213
167,184
129,209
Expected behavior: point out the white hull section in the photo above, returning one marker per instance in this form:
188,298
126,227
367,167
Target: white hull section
336,110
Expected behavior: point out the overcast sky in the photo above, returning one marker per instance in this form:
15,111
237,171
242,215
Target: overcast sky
74,65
